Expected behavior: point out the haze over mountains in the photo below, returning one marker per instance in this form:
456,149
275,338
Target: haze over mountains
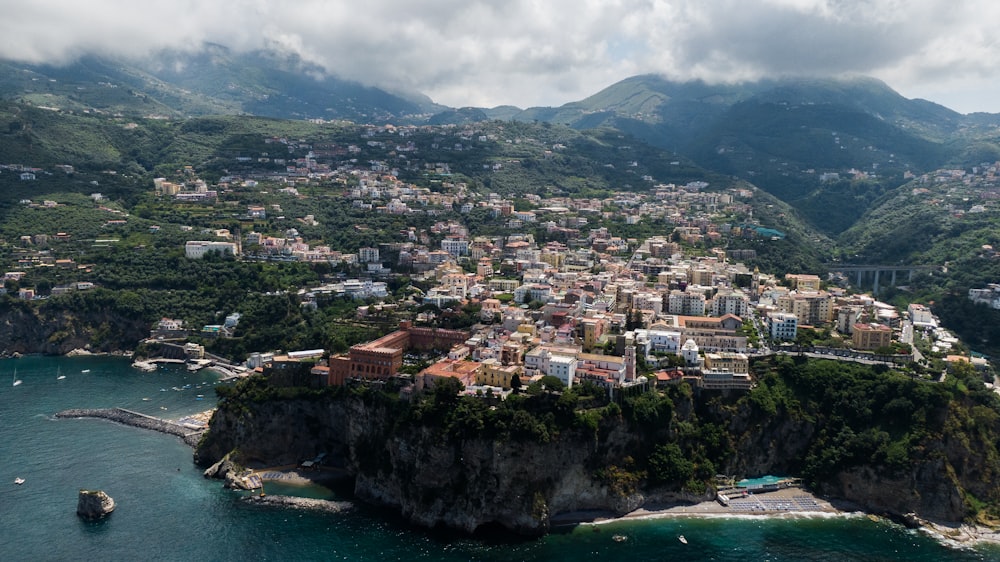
799,139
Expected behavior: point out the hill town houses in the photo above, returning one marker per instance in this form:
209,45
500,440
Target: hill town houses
557,283
580,304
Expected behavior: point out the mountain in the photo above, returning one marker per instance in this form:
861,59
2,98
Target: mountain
212,81
831,148
799,139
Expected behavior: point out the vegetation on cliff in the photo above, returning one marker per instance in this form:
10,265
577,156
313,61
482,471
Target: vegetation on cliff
824,420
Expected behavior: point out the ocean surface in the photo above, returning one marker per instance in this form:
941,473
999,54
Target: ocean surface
167,511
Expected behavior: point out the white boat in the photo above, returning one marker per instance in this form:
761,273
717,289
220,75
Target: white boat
682,539
19,480
59,375
85,371
16,381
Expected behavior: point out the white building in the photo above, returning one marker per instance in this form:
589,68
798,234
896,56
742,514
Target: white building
686,304
690,353
368,255
455,246
563,368
730,302
196,249
782,325
920,316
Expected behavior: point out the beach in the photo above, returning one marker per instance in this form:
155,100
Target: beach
790,501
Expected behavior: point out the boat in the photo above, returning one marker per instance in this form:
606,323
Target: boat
682,539
619,538
19,480
16,380
146,399
85,371
59,375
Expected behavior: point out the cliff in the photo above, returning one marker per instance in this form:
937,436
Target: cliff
32,328
433,478
469,463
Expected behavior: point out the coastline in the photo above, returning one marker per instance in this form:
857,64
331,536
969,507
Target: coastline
813,506
952,535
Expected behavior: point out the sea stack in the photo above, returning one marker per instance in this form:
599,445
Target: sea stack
94,504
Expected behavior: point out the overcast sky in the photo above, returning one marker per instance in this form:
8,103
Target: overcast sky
549,52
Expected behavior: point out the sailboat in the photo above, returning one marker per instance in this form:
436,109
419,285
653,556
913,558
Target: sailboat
16,381
59,375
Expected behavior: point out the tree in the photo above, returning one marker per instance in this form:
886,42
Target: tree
515,384
446,390
552,383
668,464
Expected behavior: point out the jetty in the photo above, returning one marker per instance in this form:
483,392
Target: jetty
136,419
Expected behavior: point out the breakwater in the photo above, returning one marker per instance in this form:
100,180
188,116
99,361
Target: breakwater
135,419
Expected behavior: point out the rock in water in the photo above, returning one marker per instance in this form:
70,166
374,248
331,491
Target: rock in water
94,504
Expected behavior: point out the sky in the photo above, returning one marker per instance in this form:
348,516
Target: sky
547,52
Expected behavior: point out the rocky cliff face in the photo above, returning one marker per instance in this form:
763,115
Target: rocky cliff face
30,329
433,480
437,478
94,504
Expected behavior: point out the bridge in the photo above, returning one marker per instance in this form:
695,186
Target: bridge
874,273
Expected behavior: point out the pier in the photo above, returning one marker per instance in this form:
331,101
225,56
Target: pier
136,419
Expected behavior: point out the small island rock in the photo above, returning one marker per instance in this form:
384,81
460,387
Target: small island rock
94,504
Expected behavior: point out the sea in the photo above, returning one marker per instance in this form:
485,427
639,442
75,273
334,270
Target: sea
167,511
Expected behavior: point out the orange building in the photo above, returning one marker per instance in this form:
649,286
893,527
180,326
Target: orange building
380,359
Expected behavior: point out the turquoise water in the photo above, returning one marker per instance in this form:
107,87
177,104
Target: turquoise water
167,511
763,480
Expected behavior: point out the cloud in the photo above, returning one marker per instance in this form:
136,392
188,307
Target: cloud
525,52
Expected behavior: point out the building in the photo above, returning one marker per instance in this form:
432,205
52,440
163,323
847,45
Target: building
196,249
563,368
920,316
727,361
493,373
713,379
368,255
686,304
380,359
465,372
782,326
803,282
810,307
455,246
730,302
871,336
689,351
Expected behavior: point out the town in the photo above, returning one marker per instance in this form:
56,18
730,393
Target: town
628,290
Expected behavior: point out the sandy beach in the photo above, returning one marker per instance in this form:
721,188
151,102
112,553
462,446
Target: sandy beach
292,474
792,502
786,502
